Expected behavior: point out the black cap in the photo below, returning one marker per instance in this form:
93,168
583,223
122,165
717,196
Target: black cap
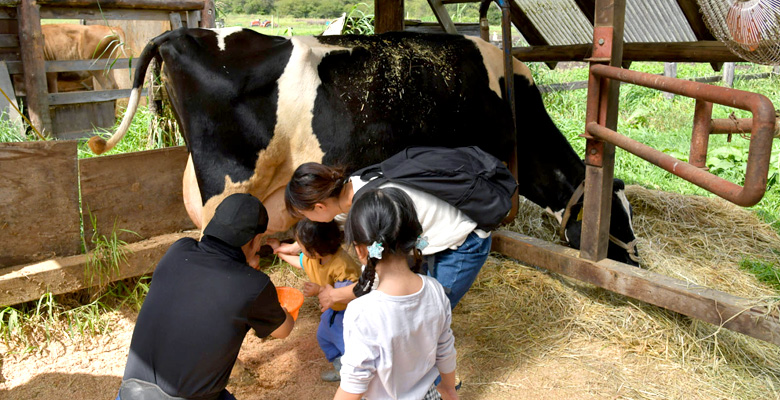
238,219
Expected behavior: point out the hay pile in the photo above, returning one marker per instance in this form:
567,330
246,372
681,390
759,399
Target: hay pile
531,329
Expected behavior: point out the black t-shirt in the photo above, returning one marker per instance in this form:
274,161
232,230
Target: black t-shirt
202,301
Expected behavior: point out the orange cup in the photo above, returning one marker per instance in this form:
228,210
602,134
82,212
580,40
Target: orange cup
291,299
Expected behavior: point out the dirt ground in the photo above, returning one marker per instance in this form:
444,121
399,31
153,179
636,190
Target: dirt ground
290,368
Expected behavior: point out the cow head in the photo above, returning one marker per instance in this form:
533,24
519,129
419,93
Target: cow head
622,244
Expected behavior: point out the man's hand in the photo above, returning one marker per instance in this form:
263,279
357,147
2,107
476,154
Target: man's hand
326,297
311,289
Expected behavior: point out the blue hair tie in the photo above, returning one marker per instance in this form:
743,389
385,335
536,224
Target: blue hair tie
375,250
421,243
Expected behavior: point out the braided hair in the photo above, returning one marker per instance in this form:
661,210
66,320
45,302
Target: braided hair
385,216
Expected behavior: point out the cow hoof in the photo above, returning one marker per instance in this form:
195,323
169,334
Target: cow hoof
97,144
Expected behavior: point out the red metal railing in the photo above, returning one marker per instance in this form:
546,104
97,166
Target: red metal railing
762,129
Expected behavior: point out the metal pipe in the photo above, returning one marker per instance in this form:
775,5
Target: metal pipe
745,196
700,138
759,152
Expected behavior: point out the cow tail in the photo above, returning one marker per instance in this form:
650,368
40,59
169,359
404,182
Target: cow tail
97,144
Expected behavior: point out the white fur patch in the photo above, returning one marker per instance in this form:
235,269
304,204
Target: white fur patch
297,92
222,33
493,58
557,214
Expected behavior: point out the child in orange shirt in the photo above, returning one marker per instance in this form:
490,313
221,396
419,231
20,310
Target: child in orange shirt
325,263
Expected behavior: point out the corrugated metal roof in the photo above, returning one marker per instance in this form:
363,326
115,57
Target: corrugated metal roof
561,22
656,21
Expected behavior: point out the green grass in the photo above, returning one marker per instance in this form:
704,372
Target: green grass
32,326
108,252
766,272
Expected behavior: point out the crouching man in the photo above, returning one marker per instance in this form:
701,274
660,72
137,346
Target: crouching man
203,299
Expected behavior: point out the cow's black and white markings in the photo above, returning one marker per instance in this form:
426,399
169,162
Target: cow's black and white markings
254,107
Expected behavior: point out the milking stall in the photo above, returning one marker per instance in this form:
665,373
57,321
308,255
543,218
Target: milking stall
52,202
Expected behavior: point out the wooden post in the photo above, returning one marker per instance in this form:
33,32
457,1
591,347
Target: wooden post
728,74
31,44
442,16
175,20
670,69
600,156
388,15
484,29
209,14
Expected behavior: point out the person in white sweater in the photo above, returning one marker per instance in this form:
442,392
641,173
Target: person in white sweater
398,336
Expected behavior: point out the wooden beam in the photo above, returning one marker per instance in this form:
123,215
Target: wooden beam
167,5
10,105
208,15
588,8
442,16
690,9
706,51
15,67
193,18
709,305
65,275
147,204
94,14
90,96
39,202
525,26
176,21
31,44
728,74
388,15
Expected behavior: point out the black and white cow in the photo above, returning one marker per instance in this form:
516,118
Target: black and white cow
253,107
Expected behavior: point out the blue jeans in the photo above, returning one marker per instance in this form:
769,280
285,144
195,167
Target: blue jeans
330,334
457,269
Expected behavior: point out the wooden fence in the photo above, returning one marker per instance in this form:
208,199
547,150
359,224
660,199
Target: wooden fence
21,47
42,216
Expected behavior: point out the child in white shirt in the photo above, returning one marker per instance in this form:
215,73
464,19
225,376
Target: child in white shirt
398,337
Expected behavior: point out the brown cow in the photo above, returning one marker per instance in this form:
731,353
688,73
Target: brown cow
81,42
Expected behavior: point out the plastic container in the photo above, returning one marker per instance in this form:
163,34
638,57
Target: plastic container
291,299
